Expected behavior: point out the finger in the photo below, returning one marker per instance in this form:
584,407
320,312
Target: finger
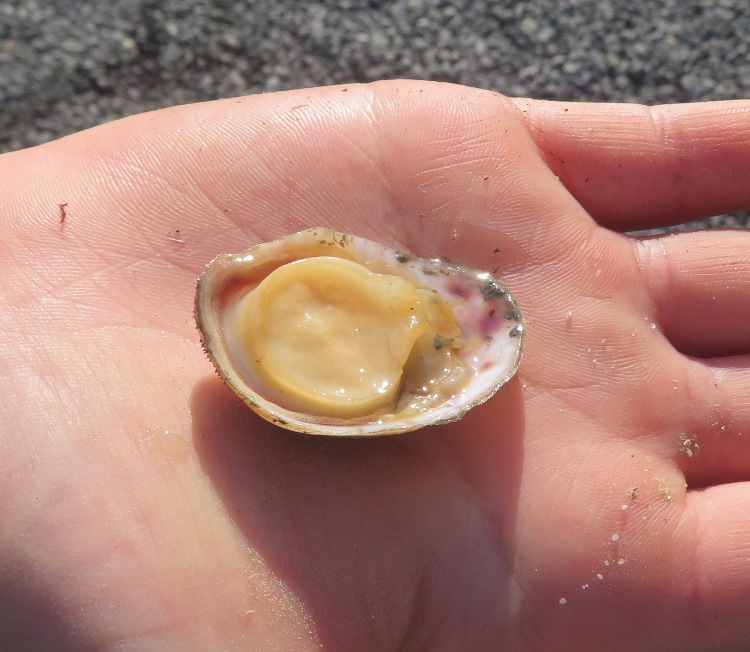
635,167
699,284
436,168
716,520
713,445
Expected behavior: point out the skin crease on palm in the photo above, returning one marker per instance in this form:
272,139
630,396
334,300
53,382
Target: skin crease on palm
600,501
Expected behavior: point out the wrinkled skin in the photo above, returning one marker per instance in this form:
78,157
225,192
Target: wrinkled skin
600,501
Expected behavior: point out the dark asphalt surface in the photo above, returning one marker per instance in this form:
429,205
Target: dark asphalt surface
71,64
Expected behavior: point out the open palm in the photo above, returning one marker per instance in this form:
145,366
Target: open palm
598,501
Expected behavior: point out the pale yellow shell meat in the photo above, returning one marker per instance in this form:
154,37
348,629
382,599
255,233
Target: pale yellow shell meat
332,334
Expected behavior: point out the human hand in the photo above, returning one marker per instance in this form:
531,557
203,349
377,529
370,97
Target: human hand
598,501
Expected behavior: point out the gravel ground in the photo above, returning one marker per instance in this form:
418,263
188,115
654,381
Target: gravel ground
71,64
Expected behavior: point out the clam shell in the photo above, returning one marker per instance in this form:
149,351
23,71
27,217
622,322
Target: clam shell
492,328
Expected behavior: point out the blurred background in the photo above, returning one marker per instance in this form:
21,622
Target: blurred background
66,65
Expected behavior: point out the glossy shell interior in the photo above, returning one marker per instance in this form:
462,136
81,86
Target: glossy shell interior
490,320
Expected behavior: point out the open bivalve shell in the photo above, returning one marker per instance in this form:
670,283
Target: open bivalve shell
332,334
